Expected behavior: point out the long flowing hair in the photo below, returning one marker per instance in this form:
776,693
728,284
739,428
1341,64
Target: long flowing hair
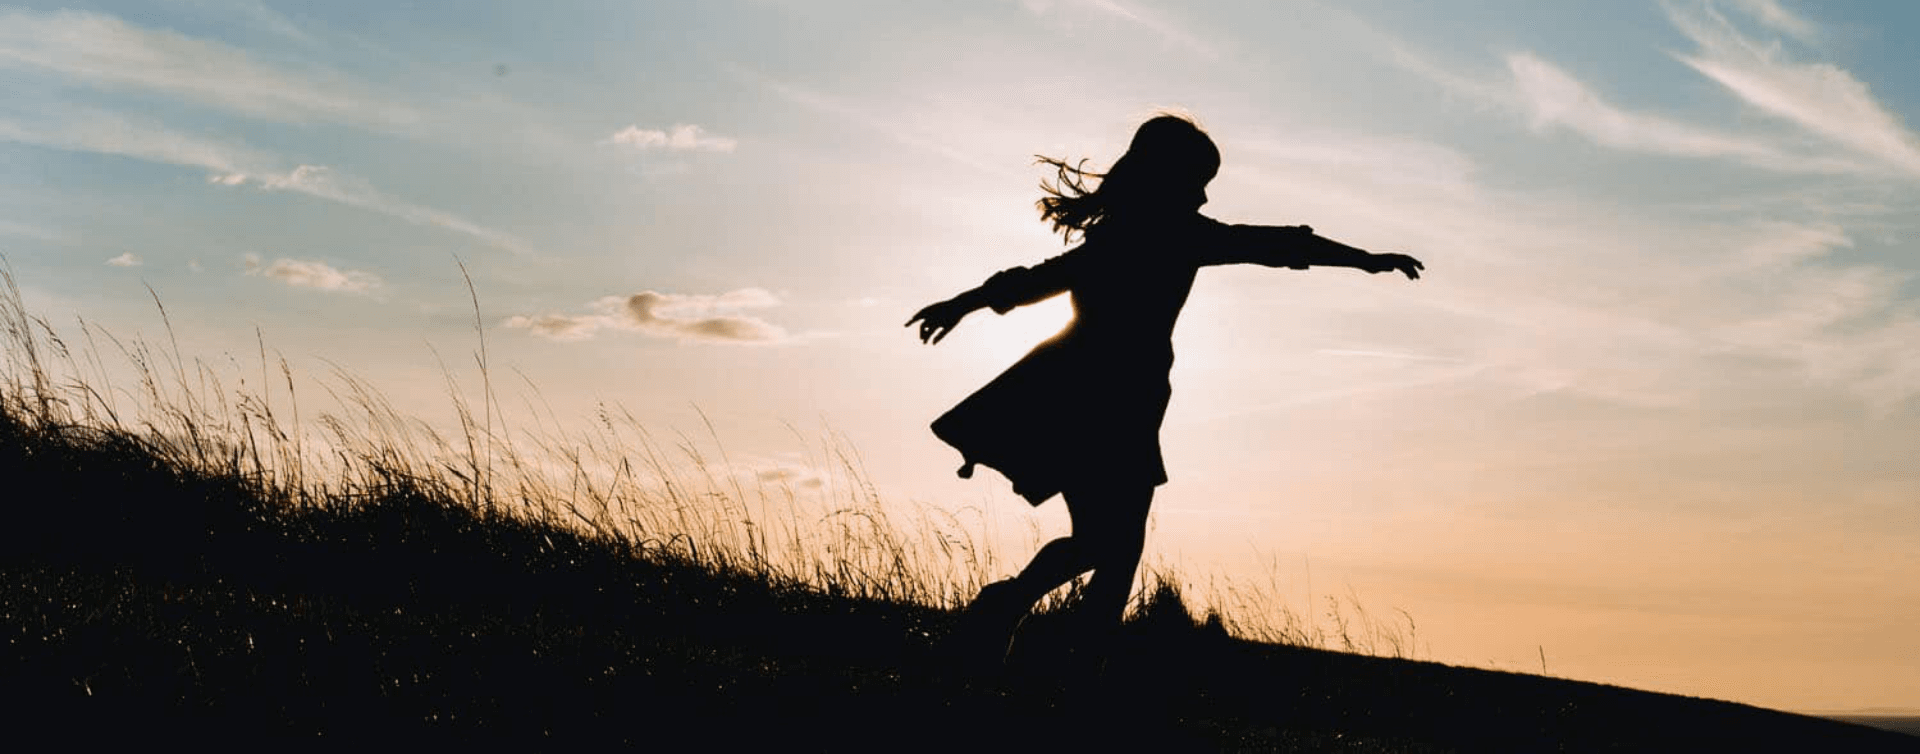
1069,204
1169,153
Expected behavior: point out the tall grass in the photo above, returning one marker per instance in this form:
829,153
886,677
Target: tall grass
668,495
613,477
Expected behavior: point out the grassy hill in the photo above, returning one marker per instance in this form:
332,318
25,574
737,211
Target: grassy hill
184,561
147,599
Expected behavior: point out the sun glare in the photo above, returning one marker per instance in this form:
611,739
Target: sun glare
1003,339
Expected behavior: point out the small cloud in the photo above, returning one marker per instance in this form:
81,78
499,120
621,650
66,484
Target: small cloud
681,138
789,476
301,273
228,179
685,317
696,318
561,327
125,260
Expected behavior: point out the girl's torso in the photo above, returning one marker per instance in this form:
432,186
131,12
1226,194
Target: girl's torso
1129,288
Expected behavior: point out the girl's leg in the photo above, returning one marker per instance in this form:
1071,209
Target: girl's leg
1002,604
1109,532
1111,525
1055,564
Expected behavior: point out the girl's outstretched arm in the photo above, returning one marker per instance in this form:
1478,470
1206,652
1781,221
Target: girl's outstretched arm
939,318
1006,289
1317,251
1298,247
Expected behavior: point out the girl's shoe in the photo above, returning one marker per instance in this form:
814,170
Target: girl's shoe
987,625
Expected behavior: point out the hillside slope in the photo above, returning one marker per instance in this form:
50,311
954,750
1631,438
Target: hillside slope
144,601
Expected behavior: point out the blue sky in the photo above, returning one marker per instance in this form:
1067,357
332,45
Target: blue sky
1650,411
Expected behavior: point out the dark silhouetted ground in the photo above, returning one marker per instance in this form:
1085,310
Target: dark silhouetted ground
142,603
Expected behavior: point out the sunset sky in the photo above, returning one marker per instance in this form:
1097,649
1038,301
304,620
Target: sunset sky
1651,414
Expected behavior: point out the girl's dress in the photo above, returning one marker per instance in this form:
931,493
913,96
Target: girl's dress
1083,408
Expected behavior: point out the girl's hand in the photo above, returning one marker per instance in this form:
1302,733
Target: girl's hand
1391,262
936,320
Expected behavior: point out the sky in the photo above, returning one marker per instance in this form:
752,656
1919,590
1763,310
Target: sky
1647,419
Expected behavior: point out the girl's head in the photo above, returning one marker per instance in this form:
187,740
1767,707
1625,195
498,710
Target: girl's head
1165,171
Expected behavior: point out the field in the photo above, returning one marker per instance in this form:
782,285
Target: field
187,560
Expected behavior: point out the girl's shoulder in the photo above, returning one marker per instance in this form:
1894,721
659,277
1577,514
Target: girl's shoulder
1154,227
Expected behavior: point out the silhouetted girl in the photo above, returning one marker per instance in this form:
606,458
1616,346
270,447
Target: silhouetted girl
1080,414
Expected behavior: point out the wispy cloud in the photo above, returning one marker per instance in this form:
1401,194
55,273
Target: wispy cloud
254,13
103,51
231,164
1777,17
683,317
680,138
1392,355
870,117
302,273
1765,303
1549,98
1701,309
1845,325
100,132
1385,160
124,260
1698,309
23,230
326,183
1552,98
1820,97
1131,13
